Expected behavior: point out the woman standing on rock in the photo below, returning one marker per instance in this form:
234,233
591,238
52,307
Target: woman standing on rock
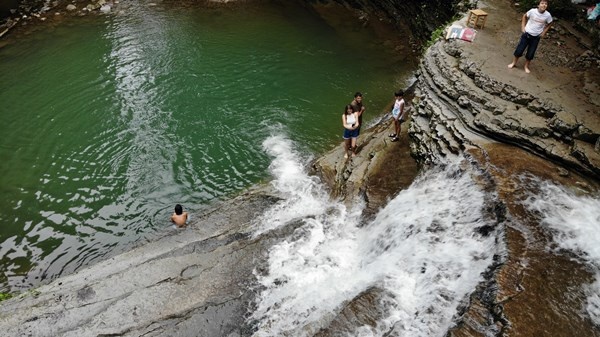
351,125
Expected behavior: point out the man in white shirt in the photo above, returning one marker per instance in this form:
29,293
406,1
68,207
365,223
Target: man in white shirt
534,25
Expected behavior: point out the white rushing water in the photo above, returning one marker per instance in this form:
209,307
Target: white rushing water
422,249
574,222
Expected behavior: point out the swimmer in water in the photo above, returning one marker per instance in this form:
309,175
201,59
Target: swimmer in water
179,218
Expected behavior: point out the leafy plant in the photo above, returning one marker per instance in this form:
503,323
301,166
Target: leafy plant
5,296
30,292
435,35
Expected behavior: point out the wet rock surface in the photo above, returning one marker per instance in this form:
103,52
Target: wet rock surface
191,282
199,281
509,124
545,124
380,169
364,310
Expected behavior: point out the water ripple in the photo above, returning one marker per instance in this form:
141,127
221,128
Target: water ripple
115,121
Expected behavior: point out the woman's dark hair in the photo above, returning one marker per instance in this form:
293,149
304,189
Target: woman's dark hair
348,106
178,209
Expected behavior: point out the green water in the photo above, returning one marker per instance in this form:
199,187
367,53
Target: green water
107,122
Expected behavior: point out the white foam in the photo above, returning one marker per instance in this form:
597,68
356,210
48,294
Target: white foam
575,225
422,248
302,194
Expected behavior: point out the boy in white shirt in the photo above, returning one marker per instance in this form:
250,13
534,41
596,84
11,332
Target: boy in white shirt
534,25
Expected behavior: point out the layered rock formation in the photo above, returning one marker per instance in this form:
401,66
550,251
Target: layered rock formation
467,104
509,124
458,100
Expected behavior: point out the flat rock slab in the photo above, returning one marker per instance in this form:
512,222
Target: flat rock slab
190,282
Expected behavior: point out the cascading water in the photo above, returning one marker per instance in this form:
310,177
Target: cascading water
423,249
574,222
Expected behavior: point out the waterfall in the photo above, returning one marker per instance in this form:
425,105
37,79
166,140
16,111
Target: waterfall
423,249
574,222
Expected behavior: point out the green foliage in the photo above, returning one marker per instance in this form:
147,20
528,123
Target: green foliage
435,35
563,9
30,292
438,33
5,296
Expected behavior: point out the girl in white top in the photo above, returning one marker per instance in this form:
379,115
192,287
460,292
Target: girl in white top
398,114
351,124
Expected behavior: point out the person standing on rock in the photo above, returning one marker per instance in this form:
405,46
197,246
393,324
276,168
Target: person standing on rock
350,121
534,25
179,218
398,114
359,108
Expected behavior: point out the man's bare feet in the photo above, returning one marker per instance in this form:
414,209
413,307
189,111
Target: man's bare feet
512,65
527,70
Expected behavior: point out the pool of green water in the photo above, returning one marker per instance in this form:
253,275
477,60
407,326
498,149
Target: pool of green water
108,121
